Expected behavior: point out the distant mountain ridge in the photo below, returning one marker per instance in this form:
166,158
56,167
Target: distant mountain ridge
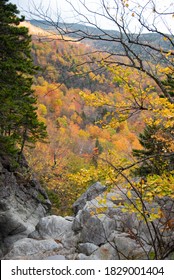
35,30
102,44
40,31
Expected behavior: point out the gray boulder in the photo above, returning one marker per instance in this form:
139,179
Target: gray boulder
128,247
93,228
87,248
59,229
105,252
55,227
92,192
28,249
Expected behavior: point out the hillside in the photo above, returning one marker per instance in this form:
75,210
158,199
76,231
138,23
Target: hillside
75,131
38,32
34,30
81,102
90,133
76,31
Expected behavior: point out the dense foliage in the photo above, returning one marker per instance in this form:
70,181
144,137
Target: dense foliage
69,163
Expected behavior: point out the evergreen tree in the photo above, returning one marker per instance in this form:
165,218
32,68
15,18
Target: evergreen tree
98,149
18,118
155,157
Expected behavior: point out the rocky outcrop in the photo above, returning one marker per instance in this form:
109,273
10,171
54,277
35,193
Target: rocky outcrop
93,191
22,202
100,230
53,238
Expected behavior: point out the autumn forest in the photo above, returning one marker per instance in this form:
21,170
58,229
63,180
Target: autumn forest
84,105
94,121
69,162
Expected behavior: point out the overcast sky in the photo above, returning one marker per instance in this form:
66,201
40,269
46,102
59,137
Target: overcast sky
64,10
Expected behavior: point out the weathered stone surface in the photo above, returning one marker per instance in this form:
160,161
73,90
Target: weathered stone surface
52,226
82,257
105,252
92,192
96,229
127,247
21,205
76,225
59,229
56,257
28,248
93,228
87,248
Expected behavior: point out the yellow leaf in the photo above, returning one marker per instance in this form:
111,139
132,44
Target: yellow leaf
113,197
129,195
